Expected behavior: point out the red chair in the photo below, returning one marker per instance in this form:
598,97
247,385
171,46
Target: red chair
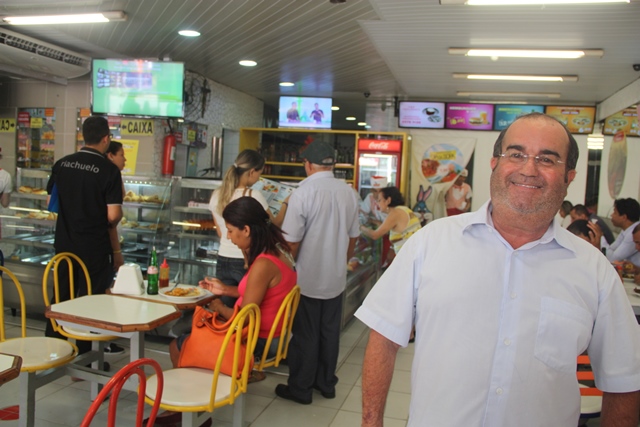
590,396
116,383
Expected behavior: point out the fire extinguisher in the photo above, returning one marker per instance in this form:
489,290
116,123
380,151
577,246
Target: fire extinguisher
169,155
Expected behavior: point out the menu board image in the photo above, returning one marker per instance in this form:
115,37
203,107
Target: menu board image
506,114
423,115
625,120
576,119
469,116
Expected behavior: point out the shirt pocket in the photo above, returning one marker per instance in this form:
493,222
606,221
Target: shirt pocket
564,331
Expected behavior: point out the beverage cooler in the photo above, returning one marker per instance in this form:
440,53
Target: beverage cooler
378,157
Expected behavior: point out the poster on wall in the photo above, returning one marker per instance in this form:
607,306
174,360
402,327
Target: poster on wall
130,148
625,121
617,164
469,116
421,115
577,119
36,138
506,114
436,166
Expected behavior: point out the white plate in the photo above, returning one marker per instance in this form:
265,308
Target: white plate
190,298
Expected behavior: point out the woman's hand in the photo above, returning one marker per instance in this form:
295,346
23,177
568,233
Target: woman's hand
216,305
213,285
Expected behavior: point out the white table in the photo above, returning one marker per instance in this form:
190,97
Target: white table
112,315
9,367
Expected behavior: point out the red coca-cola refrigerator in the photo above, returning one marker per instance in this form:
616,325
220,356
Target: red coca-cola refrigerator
379,158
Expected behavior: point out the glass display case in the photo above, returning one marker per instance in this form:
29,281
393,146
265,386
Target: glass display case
363,270
191,247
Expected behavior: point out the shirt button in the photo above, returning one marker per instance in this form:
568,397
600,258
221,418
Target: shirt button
507,341
513,295
499,390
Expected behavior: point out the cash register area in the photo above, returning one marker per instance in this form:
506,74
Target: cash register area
65,402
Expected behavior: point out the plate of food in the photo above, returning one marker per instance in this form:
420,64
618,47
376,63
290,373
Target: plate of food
182,293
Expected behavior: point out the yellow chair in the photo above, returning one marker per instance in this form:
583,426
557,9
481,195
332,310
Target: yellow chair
74,333
197,392
286,313
39,356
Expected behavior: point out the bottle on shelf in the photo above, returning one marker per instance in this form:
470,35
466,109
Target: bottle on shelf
163,275
152,274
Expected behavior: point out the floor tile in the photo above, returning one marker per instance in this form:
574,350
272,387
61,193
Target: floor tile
285,413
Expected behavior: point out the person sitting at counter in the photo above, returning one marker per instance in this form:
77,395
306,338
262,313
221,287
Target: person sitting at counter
401,221
626,215
270,277
581,212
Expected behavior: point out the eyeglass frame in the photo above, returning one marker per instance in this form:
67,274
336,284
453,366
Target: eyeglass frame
537,159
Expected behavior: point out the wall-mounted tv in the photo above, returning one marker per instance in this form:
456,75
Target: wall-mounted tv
137,87
577,119
304,112
507,113
469,116
422,115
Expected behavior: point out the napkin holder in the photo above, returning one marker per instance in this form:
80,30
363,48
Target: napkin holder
129,280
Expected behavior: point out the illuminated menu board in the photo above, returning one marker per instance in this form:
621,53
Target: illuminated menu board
424,115
469,116
506,114
625,120
576,119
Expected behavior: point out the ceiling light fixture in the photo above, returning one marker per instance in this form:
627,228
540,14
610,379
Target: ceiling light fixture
79,18
512,94
350,118
526,53
530,2
471,101
248,63
286,84
189,33
335,108
362,123
515,77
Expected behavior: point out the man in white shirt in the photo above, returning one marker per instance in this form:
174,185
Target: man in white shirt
626,215
504,300
458,196
321,227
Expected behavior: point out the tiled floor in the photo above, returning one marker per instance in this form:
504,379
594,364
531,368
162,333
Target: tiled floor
64,403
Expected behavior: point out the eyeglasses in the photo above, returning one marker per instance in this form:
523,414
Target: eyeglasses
519,158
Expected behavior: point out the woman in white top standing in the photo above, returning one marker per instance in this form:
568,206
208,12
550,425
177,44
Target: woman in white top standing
237,182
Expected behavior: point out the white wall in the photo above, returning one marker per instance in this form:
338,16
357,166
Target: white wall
631,185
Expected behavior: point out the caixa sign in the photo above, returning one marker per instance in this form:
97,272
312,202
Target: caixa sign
380,145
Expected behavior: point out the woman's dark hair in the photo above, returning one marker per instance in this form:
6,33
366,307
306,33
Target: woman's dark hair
579,227
394,194
114,147
265,235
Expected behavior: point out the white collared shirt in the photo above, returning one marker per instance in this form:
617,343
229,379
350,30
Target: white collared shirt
322,215
498,330
623,247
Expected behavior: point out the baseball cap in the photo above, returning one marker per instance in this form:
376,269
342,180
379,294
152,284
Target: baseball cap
319,153
378,182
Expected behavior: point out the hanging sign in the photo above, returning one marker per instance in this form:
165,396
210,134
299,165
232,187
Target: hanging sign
7,125
136,127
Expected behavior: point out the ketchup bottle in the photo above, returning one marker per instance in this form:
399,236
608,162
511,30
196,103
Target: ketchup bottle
163,279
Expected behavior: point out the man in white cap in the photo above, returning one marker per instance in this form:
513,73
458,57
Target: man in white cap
368,206
458,197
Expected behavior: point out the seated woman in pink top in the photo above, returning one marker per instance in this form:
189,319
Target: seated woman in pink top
270,277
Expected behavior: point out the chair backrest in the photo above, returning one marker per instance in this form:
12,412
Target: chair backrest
590,396
23,312
245,328
54,265
115,385
283,324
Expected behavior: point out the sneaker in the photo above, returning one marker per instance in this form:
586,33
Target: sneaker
113,349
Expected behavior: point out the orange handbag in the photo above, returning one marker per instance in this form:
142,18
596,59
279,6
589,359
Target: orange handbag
202,346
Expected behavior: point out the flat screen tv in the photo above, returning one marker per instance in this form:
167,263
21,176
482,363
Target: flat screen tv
507,113
423,115
469,116
137,87
304,112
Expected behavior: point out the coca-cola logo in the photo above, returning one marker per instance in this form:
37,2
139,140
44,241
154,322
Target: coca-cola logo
378,146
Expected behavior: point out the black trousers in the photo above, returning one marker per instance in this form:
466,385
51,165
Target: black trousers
101,273
313,351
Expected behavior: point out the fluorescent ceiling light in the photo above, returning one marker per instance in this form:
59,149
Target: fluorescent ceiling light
526,53
189,33
286,84
529,2
362,123
81,18
335,108
498,102
248,63
350,118
514,94
516,77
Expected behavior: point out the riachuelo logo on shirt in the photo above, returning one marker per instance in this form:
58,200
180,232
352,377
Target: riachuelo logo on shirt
80,166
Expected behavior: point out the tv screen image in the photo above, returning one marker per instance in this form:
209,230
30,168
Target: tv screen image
424,115
304,112
469,116
138,87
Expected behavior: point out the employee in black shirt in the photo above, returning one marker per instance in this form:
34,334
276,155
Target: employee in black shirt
90,196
